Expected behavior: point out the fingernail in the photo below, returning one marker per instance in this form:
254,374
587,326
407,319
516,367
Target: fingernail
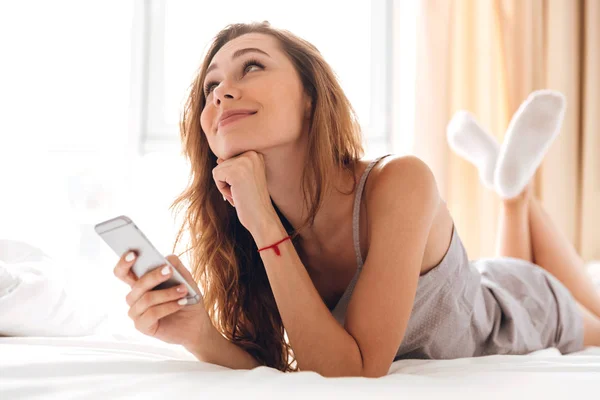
181,289
130,256
182,302
165,270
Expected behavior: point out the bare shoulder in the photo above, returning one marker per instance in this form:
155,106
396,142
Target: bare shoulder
404,196
403,180
401,204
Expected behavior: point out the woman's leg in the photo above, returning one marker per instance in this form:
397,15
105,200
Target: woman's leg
552,251
591,327
527,232
514,237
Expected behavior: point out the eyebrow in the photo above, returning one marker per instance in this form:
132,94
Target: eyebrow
237,54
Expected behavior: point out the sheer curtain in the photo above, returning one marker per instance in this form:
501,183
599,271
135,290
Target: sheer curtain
486,57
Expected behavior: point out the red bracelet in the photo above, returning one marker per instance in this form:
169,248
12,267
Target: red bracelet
274,246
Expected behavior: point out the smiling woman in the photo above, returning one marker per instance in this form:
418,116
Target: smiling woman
239,82
262,101
268,127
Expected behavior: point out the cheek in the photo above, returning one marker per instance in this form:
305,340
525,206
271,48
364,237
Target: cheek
286,113
206,118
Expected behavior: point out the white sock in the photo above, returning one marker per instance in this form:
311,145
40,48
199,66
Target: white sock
472,142
530,132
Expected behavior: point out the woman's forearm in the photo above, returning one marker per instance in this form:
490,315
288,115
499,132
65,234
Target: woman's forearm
223,352
320,343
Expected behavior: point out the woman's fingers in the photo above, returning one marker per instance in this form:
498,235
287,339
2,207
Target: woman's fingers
148,319
177,264
123,268
225,189
147,282
222,185
157,298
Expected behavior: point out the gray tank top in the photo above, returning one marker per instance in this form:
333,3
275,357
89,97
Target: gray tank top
465,308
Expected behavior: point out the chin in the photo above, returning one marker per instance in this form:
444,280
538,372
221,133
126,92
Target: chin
226,154
230,148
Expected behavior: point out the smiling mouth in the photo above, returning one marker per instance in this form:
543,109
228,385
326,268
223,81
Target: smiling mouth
233,118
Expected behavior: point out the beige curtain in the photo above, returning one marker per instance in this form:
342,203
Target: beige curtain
486,56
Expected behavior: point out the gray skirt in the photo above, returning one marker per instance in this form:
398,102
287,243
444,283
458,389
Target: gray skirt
499,305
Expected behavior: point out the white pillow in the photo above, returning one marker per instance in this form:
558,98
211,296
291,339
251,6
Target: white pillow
34,298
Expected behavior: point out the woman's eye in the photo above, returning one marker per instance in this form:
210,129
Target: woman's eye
250,65
208,88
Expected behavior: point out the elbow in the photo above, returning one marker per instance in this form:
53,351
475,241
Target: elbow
374,369
343,369
356,373
345,373
362,370
368,373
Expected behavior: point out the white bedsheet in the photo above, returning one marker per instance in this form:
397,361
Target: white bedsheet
110,367
119,362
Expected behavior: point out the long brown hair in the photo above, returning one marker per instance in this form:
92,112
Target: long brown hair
223,256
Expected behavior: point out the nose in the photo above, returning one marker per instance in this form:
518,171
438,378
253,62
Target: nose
225,91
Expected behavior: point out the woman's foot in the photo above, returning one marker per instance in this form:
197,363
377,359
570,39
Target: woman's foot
530,133
472,142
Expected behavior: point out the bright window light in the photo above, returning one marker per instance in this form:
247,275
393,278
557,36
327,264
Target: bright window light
344,42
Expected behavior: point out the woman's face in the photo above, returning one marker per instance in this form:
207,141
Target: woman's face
251,73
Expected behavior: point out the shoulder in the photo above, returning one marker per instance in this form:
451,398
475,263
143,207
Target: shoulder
405,181
401,204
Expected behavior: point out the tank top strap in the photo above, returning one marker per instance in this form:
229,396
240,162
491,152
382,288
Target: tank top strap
356,211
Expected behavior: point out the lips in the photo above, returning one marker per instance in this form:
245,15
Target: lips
235,116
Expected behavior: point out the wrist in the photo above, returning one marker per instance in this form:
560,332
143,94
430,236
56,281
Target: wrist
207,341
269,232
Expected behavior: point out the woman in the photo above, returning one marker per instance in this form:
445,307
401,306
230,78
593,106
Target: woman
268,129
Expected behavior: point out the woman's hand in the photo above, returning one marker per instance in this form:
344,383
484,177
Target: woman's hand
242,181
157,313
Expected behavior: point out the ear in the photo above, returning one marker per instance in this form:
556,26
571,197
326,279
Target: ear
307,107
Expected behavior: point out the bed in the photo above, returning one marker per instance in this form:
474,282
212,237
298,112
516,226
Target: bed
105,367
81,355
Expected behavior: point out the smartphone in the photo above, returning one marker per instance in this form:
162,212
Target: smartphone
122,235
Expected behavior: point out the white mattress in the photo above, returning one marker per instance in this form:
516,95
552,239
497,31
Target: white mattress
119,362
111,367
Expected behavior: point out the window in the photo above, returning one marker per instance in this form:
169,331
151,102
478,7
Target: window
353,36
92,91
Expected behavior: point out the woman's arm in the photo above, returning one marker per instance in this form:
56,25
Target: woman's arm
401,206
222,352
